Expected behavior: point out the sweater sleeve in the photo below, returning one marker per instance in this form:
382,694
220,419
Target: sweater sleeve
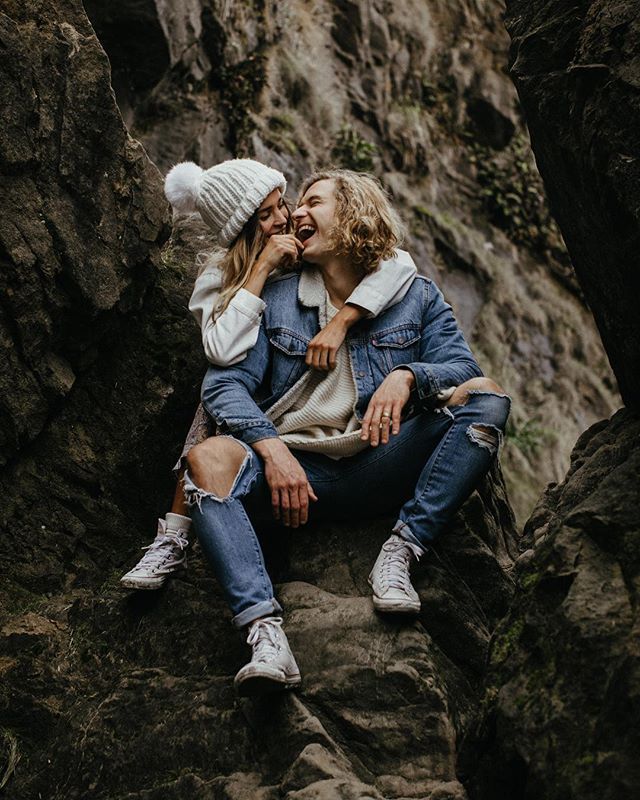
386,285
227,338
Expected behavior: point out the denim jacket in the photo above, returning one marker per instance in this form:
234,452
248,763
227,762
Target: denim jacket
419,333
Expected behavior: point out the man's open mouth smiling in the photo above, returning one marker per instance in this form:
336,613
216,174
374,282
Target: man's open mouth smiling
305,232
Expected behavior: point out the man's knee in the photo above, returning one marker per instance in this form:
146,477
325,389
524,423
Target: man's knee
215,463
461,394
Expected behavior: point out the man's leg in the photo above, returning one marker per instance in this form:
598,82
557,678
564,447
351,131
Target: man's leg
479,409
222,473
429,469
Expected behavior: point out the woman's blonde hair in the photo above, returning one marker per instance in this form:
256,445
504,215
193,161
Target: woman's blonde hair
366,229
235,263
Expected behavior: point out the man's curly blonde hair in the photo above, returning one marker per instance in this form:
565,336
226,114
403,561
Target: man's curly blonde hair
366,229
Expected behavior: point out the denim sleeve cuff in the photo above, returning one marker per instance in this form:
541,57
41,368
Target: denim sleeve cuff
255,432
427,384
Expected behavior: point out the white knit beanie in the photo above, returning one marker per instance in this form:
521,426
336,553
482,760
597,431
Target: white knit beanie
226,195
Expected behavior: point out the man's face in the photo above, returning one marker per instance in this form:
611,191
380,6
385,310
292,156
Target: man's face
313,219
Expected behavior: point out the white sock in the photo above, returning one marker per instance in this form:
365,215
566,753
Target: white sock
177,522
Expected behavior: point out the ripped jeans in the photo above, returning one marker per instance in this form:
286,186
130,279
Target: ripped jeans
427,471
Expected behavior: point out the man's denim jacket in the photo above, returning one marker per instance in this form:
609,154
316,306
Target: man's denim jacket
420,333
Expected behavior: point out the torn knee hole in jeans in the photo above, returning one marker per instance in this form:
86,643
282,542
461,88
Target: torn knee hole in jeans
194,495
487,436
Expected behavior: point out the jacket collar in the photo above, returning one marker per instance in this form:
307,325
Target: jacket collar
311,289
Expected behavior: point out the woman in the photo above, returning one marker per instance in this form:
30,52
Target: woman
242,202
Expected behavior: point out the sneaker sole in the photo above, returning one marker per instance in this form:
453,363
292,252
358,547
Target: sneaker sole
141,583
393,606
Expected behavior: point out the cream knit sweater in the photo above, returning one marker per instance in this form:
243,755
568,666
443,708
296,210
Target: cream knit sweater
318,413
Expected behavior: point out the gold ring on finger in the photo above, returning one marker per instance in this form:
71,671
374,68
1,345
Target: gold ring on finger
385,414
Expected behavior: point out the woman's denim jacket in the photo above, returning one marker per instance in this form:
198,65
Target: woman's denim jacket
420,333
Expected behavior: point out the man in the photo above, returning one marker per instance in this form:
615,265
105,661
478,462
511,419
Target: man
404,421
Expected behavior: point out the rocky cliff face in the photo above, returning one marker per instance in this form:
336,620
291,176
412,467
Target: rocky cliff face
105,695
561,708
562,702
588,152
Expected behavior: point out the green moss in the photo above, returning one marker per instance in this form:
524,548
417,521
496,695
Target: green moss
352,151
239,83
530,581
505,643
513,196
280,132
169,259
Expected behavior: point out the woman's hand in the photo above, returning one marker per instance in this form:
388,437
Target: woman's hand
385,407
322,350
281,248
290,489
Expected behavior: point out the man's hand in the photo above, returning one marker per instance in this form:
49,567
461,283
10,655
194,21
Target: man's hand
385,407
322,350
290,489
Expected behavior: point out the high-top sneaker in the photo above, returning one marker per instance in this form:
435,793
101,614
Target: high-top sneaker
389,578
272,666
164,556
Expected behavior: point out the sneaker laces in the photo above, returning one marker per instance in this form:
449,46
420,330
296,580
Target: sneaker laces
166,550
264,638
395,565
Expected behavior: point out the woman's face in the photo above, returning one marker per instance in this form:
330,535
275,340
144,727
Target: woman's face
273,214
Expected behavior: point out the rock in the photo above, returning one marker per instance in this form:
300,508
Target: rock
99,678
563,698
577,76
82,215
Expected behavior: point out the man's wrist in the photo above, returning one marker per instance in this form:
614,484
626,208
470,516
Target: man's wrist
267,448
408,374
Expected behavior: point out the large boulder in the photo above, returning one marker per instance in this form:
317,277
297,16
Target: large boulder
563,689
578,78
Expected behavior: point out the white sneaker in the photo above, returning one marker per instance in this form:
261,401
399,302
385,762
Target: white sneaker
272,666
389,578
164,556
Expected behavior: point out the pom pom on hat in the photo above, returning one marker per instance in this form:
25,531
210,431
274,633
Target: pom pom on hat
181,186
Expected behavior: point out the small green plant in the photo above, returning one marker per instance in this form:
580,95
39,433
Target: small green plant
352,151
513,196
528,437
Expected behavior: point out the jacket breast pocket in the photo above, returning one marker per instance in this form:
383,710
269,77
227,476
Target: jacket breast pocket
396,346
288,352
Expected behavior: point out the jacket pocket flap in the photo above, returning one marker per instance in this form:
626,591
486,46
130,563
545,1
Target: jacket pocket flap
289,342
404,336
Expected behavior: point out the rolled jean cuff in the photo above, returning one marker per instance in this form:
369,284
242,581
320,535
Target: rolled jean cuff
404,531
262,609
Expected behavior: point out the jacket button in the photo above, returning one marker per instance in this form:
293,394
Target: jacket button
361,374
